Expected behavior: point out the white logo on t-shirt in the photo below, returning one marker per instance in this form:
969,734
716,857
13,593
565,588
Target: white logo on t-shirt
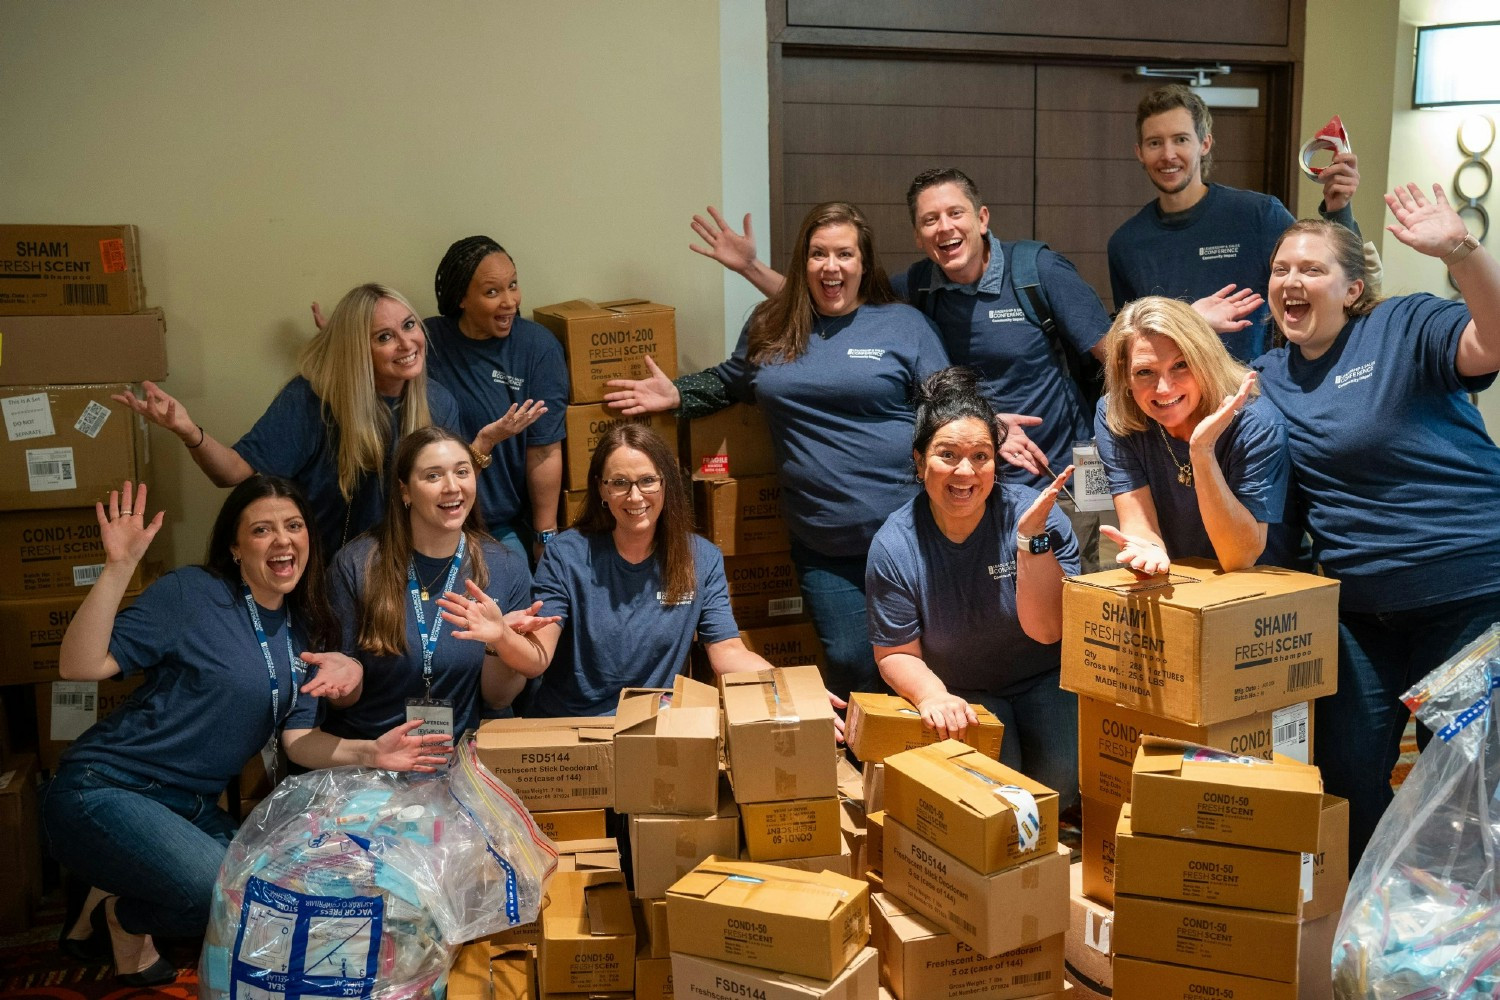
873,353
1007,316
1353,375
501,378
1224,251
661,597
1000,571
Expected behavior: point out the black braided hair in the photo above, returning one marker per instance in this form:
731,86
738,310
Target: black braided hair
457,269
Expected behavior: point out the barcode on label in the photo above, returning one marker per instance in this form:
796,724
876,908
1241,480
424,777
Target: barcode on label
85,295
784,606
589,790
1292,732
92,419
959,921
1035,977
73,699
44,469
1303,675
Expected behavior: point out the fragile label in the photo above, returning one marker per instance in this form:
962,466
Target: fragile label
50,469
91,421
27,417
75,707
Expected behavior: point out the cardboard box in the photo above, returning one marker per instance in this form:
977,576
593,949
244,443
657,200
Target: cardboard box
665,848
717,980
588,934
513,974
570,824
800,828
841,862
985,814
1109,734
31,633
70,270
20,847
763,589
586,426
878,725
733,442
792,645
852,828
52,553
875,841
79,350
486,971
1098,848
779,735
874,779
653,978
1201,646
609,340
667,742
741,516
67,446
921,961
66,709
851,783
1331,863
652,914
1273,804
1087,948
1221,938
552,763
990,913
601,854
808,923
1136,979
469,976
570,506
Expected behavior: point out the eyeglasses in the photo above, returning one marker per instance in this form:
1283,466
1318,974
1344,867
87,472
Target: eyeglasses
622,487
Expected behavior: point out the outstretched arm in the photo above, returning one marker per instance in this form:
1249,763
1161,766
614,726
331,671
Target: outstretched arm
736,251
222,464
1039,576
1238,538
400,749
905,670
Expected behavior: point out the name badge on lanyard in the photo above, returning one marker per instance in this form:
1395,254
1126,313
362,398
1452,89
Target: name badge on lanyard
270,753
436,713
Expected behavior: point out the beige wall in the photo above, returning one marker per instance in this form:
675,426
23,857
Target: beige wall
276,152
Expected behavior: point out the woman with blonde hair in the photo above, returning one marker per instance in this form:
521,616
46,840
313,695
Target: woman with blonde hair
1196,459
361,385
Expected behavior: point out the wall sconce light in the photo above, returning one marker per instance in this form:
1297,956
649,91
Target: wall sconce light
1456,64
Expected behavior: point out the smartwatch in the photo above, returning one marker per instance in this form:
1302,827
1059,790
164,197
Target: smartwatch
545,537
1035,544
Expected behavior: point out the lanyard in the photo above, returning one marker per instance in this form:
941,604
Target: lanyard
265,650
430,641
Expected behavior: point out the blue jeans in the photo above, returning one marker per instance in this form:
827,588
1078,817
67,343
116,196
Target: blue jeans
509,535
1358,729
834,588
158,848
1041,731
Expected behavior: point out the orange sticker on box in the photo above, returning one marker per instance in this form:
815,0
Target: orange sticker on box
113,254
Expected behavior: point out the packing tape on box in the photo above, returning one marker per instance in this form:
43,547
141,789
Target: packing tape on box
1028,816
1333,137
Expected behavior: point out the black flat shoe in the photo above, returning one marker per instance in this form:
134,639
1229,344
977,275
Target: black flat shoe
94,949
160,973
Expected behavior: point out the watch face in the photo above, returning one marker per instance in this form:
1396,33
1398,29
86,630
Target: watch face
1040,543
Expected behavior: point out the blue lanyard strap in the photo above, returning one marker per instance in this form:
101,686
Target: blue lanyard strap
430,640
265,649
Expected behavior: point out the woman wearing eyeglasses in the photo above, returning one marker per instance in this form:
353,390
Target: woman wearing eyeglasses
630,584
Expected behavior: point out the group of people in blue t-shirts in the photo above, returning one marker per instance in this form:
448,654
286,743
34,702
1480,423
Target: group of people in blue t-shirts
368,591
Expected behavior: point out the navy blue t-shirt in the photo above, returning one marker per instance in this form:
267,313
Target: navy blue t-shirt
841,419
1252,453
456,663
486,377
1393,467
959,598
616,630
204,708
983,326
294,439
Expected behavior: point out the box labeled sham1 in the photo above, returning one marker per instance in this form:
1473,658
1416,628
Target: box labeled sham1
70,270
880,725
1200,645
552,763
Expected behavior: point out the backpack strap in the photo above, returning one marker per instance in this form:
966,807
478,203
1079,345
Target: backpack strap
1026,279
918,280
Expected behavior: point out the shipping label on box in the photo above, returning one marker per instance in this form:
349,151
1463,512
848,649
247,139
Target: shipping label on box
665,848
717,980
1201,646
796,829
611,340
66,709
52,553
992,914
985,814
552,763
741,516
779,735
883,724
94,445
922,961
586,426
82,350
1246,942
808,923
1109,734
732,442
1182,790
667,743
588,934
763,589
72,270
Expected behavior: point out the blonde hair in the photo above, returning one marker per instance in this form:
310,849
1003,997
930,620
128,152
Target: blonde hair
336,363
1217,372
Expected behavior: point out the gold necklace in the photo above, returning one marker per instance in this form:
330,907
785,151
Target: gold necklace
437,576
1184,472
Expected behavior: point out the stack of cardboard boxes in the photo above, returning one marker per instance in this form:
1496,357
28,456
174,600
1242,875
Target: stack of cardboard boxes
1230,872
1228,660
